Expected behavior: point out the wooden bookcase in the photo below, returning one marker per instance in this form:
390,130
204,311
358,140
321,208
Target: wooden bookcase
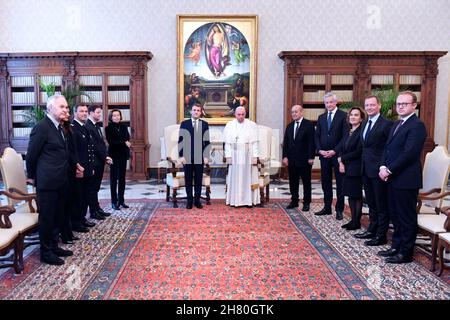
114,80
354,74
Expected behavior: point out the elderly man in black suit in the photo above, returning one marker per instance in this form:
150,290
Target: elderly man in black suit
401,168
298,156
101,157
374,135
194,150
47,164
331,128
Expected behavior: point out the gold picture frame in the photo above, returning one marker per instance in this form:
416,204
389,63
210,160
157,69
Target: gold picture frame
216,65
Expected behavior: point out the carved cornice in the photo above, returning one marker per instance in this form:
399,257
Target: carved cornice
369,54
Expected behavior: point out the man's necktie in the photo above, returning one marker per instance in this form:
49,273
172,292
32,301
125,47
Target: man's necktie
398,126
60,129
99,129
368,130
329,120
297,125
196,125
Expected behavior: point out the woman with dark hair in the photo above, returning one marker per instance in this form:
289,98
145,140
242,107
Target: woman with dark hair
350,166
119,150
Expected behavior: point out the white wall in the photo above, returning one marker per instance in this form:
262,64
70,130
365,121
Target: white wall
107,25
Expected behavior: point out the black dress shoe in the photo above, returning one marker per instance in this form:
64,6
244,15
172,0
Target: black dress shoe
292,205
82,229
88,224
101,211
364,235
353,227
97,216
322,212
105,214
123,205
198,205
115,206
388,253
345,226
52,259
305,207
66,241
375,242
398,258
189,206
75,238
60,252
339,215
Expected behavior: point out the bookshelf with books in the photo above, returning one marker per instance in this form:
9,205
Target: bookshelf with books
110,79
352,75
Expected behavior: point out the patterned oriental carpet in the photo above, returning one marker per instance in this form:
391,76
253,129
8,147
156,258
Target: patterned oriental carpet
152,251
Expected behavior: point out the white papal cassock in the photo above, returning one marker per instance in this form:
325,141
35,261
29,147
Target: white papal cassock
241,145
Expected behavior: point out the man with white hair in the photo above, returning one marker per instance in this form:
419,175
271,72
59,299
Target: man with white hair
47,167
241,153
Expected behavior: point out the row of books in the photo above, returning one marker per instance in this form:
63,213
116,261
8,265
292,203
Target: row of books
22,81
96,97
342,79
312,114
313,96
119,80
344,95
56,80
21,132
382,79
118,96
314,79
410,79
23,97
90,80
20,116
43,96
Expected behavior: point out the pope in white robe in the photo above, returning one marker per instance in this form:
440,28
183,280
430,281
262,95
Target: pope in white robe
241,152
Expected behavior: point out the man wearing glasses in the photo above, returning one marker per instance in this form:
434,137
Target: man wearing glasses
401,169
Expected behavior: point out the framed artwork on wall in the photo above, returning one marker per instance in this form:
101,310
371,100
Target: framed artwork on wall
217,58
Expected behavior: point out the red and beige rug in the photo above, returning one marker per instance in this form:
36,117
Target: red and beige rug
152,251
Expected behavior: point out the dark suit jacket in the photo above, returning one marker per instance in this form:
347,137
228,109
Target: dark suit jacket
402,154
374,145
116,135
188,144
84,148
100,150
300,150
351,153
331,139
47,157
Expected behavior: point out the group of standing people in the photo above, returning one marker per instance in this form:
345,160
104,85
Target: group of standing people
375,154
65,161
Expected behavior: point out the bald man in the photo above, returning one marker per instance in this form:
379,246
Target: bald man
298,156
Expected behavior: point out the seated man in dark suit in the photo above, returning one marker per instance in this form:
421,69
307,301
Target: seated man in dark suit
47,164
331,128
401,168
298,156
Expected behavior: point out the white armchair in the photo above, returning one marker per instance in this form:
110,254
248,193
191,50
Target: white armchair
264,160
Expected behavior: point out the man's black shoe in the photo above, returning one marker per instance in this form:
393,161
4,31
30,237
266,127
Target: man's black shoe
102,211
88,224
388,253
305,207
339,215
189,206
292,205
52,260
82,229
353,227
375,242
115,206
345,226
60,252
322,212
398,258
364,235
198,205
123,205
97,216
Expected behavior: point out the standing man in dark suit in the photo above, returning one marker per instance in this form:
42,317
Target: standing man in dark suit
298,156
101,157
194,150
47,164
374,135
331,128
401,168
86,157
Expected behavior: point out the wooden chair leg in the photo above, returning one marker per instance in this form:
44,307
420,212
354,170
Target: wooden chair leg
434,241
18,255
267,193
167,194
175,204
441,257
261,193
208,197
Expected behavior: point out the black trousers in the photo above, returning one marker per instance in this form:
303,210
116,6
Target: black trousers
51,213
327,165
94,188
193,173
402,207
117,176
375,191
80,201
295,173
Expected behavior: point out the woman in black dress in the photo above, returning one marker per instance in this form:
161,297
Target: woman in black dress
350,166
119,150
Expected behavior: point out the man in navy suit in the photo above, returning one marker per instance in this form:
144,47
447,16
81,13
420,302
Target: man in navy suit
331,128
374,135
47,164
298,156
194,149
401,168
